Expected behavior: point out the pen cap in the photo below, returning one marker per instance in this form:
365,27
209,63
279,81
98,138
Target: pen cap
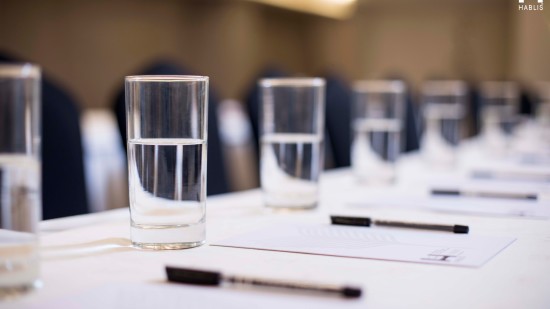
351,292
354,221
192,276
461,229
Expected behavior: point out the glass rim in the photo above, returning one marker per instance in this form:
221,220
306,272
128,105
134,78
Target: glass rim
292,82
379,86
23,69
166,78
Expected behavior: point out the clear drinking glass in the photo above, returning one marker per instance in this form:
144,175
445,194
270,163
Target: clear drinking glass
292,128
378,115
500,104
20,181
444,107
167,134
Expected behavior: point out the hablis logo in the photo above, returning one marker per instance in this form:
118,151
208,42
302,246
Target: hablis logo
530,7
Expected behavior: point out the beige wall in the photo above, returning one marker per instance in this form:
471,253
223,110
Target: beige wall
447,39
90,45
531,49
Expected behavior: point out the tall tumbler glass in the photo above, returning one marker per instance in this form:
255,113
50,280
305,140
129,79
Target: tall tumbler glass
500,106
444,107
20,171
378,116
292,127
167,134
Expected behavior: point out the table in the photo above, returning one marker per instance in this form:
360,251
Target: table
86,257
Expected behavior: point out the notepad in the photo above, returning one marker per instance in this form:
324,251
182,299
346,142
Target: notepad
476,205
374,243
490,206
458,204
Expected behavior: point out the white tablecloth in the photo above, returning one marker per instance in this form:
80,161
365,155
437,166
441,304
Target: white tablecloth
88,261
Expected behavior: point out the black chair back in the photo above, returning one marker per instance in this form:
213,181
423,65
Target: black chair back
338,119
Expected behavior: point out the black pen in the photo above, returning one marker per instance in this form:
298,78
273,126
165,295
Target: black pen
202,277
508,195
364,221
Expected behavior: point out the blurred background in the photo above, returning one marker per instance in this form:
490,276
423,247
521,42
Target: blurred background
87,47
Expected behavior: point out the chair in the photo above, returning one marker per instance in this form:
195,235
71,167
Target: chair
411,130
338,119
527,102
63,182
216,172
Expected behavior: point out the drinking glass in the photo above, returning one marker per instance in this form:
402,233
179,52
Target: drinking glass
292,128
500,103
444,107
167,134
20,171
378,115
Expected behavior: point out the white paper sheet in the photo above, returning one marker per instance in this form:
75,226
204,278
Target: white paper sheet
172,295
374,243
458,204
490,206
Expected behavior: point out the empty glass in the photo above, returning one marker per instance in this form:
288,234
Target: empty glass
377,121
20,171
167,133
444,107
292,126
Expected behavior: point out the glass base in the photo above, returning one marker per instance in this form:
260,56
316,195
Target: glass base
168,237
387,180
14,292
376,182
291,200
168,246
376,175
287,207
